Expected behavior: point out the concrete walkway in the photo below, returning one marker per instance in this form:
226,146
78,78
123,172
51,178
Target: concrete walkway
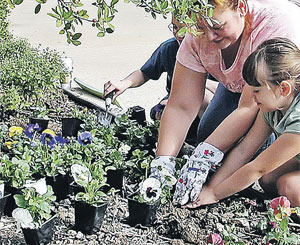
97,60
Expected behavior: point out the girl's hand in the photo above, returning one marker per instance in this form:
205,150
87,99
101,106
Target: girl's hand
207,196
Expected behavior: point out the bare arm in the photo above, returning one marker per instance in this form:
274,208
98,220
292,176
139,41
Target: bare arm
236,124
282,150
186,97
243,152
135,79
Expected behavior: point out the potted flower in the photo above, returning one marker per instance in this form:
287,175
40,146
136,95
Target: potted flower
143,203
40,116
35,212
115,163
14,173
73,122
3,198
48,162
91,203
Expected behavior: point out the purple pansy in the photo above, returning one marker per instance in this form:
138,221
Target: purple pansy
85,138
32,129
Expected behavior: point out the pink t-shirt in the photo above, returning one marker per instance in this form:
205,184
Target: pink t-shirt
268,19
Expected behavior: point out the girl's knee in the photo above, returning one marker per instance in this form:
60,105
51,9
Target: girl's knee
289,187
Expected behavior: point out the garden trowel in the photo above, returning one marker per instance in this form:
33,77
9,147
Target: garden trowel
104,117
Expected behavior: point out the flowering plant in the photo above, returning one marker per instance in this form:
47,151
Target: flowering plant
92,178
15,171
215,239
34,204
278,214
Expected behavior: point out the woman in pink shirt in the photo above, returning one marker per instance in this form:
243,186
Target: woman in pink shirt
220,51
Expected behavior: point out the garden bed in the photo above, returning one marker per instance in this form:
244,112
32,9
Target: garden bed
173,225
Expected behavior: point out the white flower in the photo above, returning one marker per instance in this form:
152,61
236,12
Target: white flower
124,148
150,189
40,186
81,174
23,218
1,190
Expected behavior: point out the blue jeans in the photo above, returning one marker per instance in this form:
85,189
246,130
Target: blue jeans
223,103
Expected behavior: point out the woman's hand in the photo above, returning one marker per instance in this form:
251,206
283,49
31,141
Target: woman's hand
207,196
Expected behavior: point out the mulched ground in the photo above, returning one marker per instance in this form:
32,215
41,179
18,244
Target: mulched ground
173,225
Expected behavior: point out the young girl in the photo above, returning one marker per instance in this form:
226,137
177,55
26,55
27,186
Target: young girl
273,72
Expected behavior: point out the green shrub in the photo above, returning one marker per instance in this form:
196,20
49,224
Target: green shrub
28,75
4,12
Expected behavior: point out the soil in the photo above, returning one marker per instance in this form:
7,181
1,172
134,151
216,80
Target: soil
173,225
238,215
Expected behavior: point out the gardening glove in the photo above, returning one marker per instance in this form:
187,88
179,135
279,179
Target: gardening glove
162,169
194,173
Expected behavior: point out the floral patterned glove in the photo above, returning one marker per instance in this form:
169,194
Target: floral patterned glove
163,168
194,173
162,174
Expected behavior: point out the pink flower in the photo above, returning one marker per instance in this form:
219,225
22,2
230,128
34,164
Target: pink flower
281,206
206,152
274,224
215,239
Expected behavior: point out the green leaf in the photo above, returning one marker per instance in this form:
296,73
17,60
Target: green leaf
76,36
113,2
20,201
126,1
17,2
153,15
37,8
76,42
62,32
164,5
109,30
54,15
182,31
59,23
67,15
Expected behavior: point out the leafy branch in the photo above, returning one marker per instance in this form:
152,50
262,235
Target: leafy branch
69,14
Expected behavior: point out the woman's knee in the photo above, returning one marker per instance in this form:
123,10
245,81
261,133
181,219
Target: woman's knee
288,185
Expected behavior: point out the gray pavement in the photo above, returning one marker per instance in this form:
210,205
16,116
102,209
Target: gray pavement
97,60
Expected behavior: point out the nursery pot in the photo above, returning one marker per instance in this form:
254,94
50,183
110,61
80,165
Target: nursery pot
70,126
88,218
75,188
141,213
40,235
43,123
60,185
115,178
138,114
10,201
3,201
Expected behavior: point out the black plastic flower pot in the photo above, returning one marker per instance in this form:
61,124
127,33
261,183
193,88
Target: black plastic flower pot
60,185
70,126
138,114
3,201
141,213
10,201
75,188
115,178
40,235
88,218
43,123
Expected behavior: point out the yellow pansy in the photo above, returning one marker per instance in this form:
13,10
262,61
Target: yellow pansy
15,131
9,144
49,131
